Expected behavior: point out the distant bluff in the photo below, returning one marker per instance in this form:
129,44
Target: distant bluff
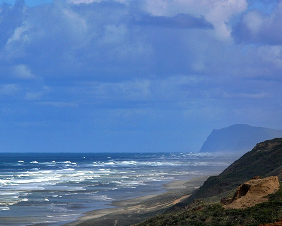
238,138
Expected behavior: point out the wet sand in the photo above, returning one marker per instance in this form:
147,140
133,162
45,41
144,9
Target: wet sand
132,211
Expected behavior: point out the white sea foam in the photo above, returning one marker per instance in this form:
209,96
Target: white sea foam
55,183
5,208
101,198
69,169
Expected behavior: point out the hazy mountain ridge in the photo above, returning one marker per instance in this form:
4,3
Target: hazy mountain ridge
238,138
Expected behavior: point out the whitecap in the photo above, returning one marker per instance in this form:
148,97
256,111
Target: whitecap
34,162
129,162
20,161
4,208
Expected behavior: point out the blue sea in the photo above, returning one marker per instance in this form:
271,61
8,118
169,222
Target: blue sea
57,188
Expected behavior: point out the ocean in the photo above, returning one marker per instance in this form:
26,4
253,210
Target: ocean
57,188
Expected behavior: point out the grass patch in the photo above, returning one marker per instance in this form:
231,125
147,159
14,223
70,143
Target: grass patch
200,214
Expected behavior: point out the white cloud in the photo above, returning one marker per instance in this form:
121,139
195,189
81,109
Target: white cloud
59,104
37,94
83,1
259,27
253,20
217,12
76,25
128,90
9,89
272,55
114,34
97,1
33,95
22,71
20,34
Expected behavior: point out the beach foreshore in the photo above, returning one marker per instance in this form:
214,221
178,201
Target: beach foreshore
132,211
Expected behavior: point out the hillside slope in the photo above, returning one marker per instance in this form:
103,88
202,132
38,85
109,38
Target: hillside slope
265,159
203,207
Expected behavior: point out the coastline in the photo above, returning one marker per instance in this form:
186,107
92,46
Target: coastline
132,211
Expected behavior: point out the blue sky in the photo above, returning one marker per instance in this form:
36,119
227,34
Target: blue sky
30,3
136,75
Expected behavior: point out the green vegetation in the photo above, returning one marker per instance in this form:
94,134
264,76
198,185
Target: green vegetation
200,214
264,160
203,208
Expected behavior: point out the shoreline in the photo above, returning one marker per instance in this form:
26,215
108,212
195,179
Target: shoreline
135,210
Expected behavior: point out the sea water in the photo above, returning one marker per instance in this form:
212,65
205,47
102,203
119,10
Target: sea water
56,188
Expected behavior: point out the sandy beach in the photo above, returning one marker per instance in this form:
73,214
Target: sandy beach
132,211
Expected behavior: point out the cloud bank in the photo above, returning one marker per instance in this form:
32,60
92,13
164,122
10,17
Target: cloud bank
126,75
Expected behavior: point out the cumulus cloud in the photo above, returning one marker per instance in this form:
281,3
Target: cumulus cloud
22,71
182,21
259,27
216,12
9,89
59,104
168,64
126,90
91,1
10,19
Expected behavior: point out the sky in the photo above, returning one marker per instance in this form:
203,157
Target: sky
136,75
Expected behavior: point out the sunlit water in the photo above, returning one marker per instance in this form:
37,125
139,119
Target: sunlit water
57,188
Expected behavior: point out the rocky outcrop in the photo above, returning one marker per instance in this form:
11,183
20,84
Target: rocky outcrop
252,192
277,223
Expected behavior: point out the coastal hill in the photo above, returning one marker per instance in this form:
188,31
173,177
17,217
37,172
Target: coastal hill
265,159
208,205
238,138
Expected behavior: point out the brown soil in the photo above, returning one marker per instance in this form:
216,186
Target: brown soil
253,192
